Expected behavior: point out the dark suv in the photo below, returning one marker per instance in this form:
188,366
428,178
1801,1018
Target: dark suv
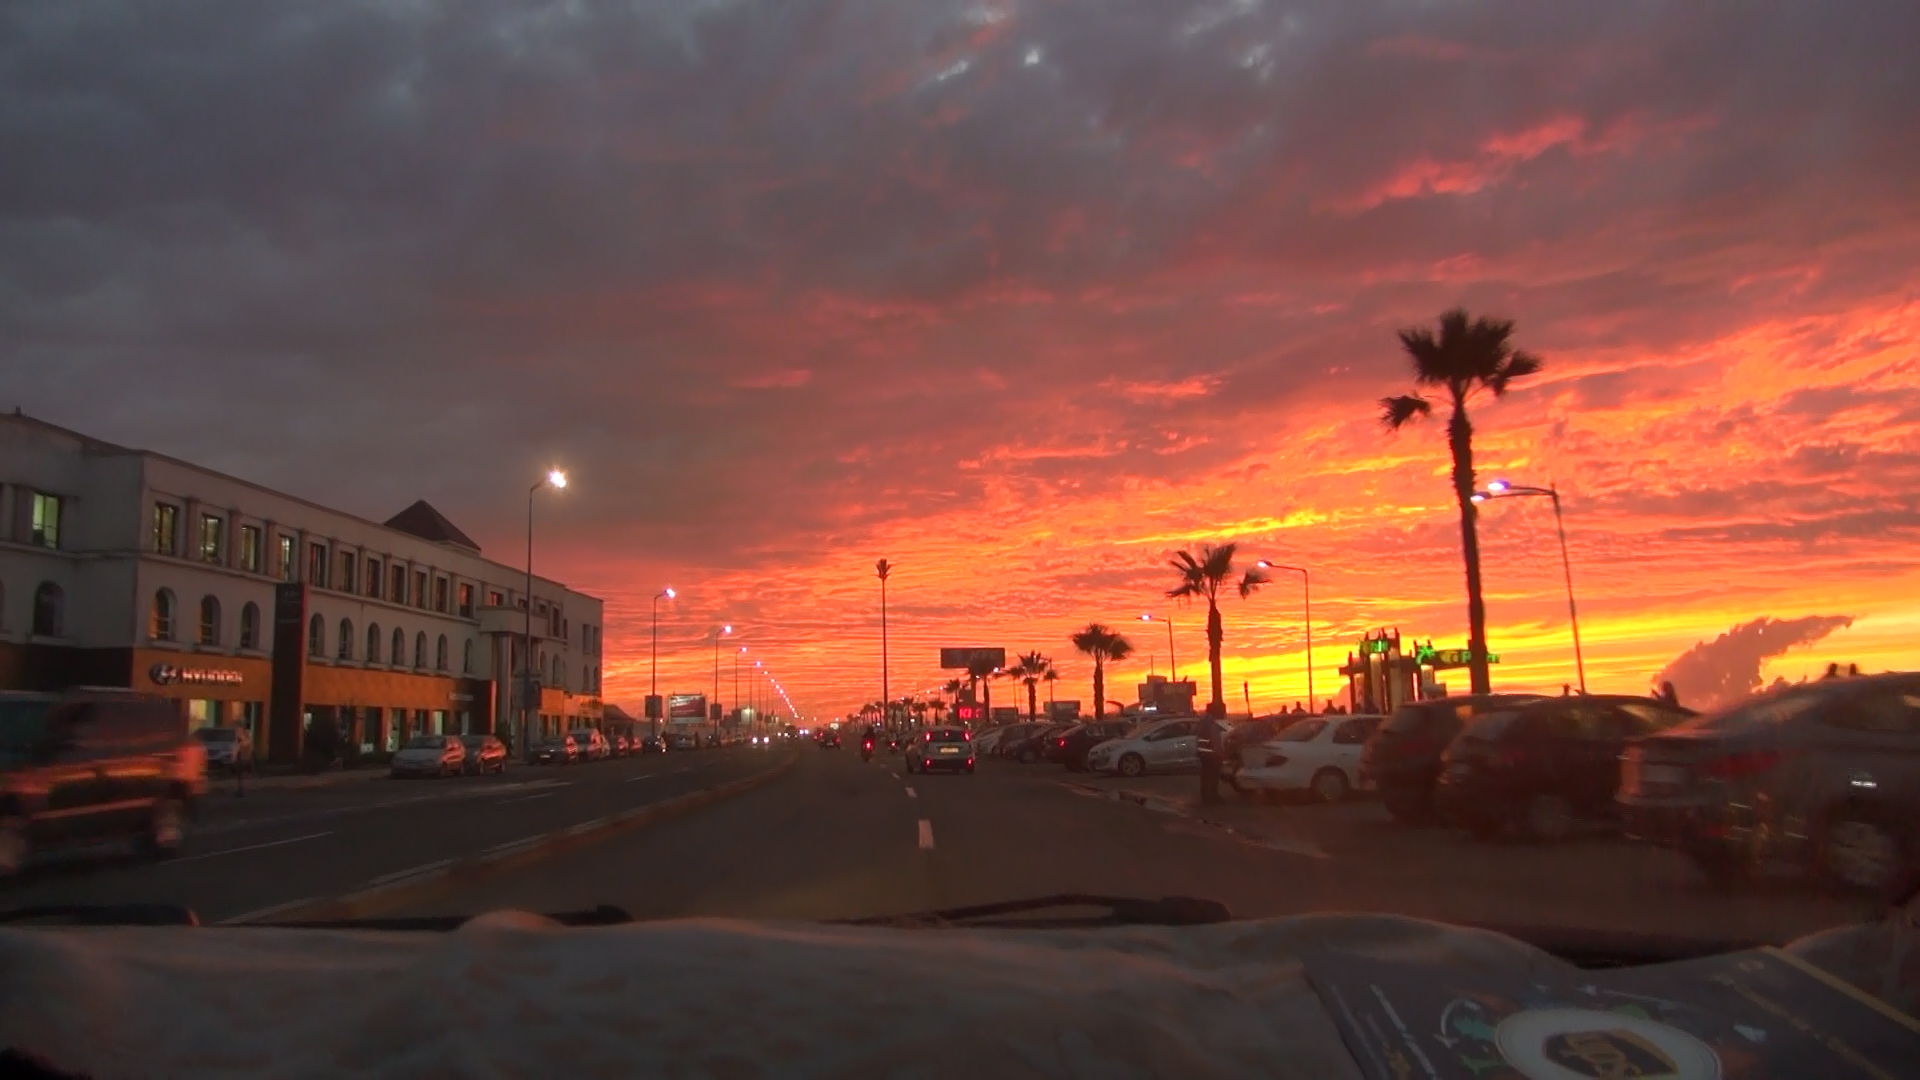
1403,757
89,767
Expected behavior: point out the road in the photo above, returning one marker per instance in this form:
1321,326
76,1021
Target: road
836,838
280,846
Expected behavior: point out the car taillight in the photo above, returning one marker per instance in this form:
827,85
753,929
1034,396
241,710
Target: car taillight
1735,766
1061,743
926,763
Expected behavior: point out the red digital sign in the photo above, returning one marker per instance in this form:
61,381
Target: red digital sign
972,713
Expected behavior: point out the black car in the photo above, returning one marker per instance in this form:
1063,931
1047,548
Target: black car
1249,734
829,739
1032,746
941,749
83,768
1403,758
1543,765
1069,747
653,744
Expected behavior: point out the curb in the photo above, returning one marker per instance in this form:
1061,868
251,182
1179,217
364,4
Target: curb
1180,808
1158,803
383,893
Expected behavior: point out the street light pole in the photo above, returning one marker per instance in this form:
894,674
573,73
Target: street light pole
523,693
724,631
736,681
653,681
1172,664
883,568
1500,489
1306,596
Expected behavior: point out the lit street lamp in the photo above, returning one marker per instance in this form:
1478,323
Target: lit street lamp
653,681
1306,596
1172,665
556,480
1500,489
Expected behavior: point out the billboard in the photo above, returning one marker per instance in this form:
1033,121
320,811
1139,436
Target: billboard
964,658
686,708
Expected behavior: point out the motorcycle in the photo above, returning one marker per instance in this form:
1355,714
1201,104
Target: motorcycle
866,750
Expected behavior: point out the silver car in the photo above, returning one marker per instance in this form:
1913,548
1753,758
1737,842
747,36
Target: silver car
1824,776
1170,745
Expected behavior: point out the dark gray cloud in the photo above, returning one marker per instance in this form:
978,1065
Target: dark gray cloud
1715,674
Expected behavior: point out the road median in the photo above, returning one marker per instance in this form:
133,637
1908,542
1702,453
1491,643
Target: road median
391,891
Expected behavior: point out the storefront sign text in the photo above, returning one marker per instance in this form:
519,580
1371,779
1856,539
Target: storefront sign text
171,675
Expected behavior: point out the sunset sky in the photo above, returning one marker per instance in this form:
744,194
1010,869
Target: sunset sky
1019,295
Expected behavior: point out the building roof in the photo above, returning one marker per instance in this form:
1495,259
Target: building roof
423,521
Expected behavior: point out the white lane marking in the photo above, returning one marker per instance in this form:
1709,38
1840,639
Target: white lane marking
515,845
258,914
893,774
412,871
530,798
585,826
926,835
644,776
251,847
912,794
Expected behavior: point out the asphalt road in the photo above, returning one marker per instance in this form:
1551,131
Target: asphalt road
836,838
278,845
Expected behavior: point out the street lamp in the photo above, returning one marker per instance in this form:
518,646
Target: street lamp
653,679
1172,665
1306,596
1500,489
556,480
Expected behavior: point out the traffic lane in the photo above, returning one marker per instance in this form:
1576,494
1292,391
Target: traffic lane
832,838
232,875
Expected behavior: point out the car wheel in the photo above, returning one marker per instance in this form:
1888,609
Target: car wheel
166,828
1548,817
1132,765
1860,850
15,844
1330,785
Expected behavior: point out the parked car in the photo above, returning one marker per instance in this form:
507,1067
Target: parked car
429,755
556,750
228,748
984,742
1032,747
621,744
1013,735
89,767
680,740
1070,747
1545,765
1247,735
941,749
1156,746
1822,778
653,744
485,754
1316,755
1403,758
592,743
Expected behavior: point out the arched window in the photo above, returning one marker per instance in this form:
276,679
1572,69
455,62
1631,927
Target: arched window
250,626
466,657
420,649
373,643
160,622
398,656
49,610
440,653
316,636
346,639
209,620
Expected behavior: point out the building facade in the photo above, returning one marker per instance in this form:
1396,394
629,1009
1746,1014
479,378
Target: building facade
251,607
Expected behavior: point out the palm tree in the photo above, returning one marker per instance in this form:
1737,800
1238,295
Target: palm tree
1464,358
939,707
1030,669
1201,577
1105,645
980,673
1050,678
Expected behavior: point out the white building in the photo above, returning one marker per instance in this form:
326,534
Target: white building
122,567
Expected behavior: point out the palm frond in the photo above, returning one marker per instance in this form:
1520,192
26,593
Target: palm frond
1517,366
1251,581
1397,412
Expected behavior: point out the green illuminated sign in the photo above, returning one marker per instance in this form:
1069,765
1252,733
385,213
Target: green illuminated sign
1376,646
1428,655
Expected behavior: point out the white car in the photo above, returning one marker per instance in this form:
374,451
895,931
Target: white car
430,755
592,743
1319,755
1158,746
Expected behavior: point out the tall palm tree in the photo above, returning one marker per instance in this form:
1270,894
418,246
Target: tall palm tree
980,673
1105,645
1050,678
1201,577
1464,358
939,707
952,687
1030,669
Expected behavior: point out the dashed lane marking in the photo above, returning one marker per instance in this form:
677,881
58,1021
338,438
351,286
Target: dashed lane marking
251,847
912,794
926,835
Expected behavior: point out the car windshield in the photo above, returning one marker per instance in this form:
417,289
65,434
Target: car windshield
622,388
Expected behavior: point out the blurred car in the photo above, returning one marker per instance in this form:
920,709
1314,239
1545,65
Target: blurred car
1032,747
1402,759
1247,735
653,744
680,740
941,749
592,743
85,767
1545,765
1156,746
1317,755
484,754
1823,778
429,755
984,742
618,745
1070,747
558,750
712,741
227,748
829,739
1011,736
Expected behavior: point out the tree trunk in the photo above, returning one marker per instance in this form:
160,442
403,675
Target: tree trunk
1033,700
1460,441
1099,690
1215,634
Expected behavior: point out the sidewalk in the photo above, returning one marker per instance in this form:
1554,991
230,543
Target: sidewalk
1267,826
219,780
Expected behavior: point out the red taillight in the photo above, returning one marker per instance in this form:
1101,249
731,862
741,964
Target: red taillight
926,763
1735,766
1061,743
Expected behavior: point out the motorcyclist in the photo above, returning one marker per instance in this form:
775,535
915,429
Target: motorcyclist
866,742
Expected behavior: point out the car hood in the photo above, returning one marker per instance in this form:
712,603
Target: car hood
1225,1000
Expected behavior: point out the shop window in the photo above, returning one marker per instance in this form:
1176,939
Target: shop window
250,548
250,626
398,657
440,653
166,521
373,643
46,520
160,620
316,636
209,620
420,649
346,639
49,610
213,530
